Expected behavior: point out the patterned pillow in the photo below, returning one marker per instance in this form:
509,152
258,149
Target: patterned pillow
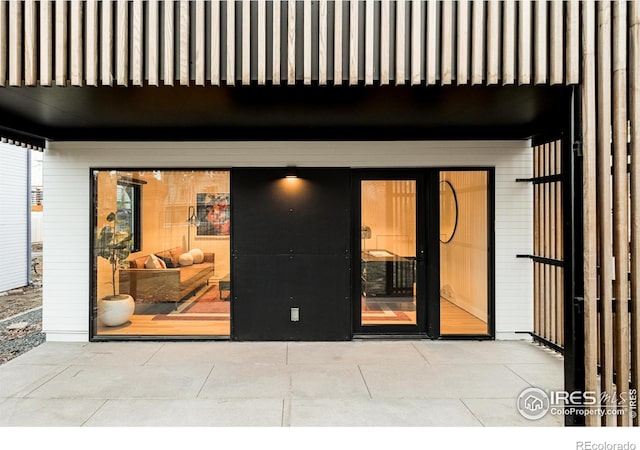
167,262
153,262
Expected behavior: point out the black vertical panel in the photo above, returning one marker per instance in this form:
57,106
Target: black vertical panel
291,249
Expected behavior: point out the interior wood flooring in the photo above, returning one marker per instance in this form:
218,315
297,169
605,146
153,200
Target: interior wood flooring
454,321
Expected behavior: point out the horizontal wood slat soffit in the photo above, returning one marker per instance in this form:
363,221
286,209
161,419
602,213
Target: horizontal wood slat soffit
201,42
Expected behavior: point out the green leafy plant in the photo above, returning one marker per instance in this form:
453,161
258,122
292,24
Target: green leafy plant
114,247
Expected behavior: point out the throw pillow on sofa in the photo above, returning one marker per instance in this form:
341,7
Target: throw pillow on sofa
198,255
153,262
186,259
167,262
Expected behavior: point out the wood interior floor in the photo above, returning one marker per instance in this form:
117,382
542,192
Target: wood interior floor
454,321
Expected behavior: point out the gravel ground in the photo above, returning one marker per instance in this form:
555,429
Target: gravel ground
27,334
21,314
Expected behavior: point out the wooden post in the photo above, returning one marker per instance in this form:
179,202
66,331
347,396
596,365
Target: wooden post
524,42
106,43
46,39
477,42
323,54
91,43
493,42
620,206
337,43
446,43
262,42
153,38
15,43
432,43
541,36
246,42
354,17
306,35
604,202
169,33
552,244
200,43
634,117
61,43
559,248
536,241
556,65
30,44
400,42
546,226
276,42
385,37
291,43
76,60
508,42
122,43
416,34
231,42
3,42
184,41
463,42
137,41
369,42
589,200
573,42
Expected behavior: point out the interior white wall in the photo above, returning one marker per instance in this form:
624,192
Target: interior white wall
67,175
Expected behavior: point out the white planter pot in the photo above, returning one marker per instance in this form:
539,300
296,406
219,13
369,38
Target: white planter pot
115,311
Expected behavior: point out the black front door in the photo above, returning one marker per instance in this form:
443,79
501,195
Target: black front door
291,254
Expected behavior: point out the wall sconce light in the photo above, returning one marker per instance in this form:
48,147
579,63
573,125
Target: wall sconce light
291,172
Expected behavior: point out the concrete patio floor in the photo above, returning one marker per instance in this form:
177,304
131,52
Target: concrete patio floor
276,384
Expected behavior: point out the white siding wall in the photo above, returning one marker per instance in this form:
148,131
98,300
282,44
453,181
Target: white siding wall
14,210
66,281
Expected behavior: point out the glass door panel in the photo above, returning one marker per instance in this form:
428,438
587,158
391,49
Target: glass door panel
464,244
388,252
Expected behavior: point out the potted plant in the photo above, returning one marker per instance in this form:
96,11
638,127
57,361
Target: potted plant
112,245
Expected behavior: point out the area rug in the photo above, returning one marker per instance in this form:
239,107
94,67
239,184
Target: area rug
383,311
207,306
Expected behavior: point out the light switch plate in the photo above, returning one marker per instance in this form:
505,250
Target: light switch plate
295,314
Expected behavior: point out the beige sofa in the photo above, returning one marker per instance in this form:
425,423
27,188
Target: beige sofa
165,285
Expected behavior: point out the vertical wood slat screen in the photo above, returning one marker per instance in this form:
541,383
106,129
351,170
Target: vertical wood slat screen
99,42
548,273
208,42
610,192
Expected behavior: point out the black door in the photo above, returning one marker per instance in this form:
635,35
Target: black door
291,254
392,247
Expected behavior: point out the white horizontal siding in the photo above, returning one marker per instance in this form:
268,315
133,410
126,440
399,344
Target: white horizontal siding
67,173
14,210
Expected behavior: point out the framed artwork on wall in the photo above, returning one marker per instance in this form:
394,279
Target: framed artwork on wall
214,215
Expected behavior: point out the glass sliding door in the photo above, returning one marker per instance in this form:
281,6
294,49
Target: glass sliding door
388,242
464,252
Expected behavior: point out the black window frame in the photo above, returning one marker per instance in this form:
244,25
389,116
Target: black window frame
136,228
